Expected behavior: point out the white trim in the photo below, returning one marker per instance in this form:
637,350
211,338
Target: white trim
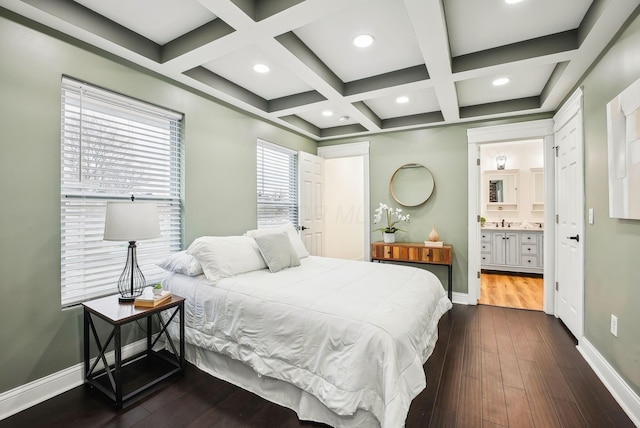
512,131
501,133
462,299
344,150
619,389
569,109
39,390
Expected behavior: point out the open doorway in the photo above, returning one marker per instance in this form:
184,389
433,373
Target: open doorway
512,224
346,201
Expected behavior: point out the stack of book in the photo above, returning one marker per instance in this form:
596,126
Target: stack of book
148,299
433,243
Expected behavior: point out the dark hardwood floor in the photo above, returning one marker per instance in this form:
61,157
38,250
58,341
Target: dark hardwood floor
492,367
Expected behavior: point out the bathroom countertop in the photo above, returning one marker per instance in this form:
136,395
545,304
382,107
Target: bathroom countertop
520,228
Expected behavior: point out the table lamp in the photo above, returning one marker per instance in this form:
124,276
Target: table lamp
131,221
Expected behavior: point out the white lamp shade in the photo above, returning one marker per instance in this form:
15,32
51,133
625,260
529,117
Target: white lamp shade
131,221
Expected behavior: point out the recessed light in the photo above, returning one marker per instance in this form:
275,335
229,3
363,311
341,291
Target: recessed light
402,100
344,118
261,68
327,113
512,1
501,81
363,40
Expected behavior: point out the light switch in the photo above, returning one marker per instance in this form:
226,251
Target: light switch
590,215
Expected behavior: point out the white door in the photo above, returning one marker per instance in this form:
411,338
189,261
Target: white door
311,215
570,224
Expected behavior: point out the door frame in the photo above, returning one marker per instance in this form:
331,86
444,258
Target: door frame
502,133
352,150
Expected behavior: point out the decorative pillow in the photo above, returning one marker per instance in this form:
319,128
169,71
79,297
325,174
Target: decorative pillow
183,263
292,233
277,251
225,256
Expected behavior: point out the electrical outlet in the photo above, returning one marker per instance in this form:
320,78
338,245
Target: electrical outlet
614,325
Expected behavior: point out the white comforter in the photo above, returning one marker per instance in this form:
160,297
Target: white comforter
353,334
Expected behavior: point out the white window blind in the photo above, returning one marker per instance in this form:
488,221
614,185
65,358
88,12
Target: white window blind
277,169
113,147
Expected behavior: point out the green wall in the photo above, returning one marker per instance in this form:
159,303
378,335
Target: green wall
38,337
611,245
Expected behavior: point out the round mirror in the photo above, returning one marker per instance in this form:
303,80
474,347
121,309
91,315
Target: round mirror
411,185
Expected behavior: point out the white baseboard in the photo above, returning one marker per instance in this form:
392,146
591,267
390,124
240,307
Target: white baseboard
37,391
462,299
623,394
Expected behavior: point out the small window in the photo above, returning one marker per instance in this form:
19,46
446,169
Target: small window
277,169
113,147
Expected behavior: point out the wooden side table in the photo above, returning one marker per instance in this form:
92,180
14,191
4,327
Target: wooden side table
121,381
414,252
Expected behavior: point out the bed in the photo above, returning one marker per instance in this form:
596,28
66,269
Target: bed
340,342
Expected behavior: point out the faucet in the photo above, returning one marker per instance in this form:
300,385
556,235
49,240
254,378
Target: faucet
502,222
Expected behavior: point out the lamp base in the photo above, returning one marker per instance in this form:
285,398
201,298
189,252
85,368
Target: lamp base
123,299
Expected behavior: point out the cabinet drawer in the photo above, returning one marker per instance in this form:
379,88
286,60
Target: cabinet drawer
485,237
529,261
529,238
485,247
530,249
485,259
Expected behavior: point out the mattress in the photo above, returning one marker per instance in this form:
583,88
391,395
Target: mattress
353,335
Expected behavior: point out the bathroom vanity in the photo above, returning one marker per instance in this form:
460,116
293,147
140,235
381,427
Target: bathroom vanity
512,249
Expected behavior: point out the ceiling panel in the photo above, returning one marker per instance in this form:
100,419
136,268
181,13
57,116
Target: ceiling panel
478,25
237,67
394,47
419,101
158,20
523,83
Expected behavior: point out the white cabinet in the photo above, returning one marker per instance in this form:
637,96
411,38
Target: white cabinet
512,250
504,248
537,189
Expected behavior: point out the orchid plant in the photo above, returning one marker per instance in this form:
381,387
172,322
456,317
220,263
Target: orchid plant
393,217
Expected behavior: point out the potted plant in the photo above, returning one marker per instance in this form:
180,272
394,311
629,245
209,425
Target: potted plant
393,217
482,221
157,289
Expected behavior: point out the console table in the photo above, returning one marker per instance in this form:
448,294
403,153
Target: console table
413,252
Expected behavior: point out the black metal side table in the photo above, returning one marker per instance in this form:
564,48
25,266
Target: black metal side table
126,379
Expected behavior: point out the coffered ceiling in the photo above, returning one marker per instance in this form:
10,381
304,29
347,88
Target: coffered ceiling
442,55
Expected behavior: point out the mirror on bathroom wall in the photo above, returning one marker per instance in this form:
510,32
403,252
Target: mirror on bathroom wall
501,189
412,185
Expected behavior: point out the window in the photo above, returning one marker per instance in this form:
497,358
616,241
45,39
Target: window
113,147
277,185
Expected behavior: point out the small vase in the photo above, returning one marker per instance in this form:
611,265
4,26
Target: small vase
389,238
434,235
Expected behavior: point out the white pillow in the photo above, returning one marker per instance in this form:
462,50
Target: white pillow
277,251
301,250
183,263
225,256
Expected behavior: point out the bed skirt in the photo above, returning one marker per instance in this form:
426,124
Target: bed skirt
306,406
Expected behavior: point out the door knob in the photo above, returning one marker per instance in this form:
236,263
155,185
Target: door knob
303,227
577,238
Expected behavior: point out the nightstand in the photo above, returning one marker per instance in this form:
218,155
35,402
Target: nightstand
126,379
